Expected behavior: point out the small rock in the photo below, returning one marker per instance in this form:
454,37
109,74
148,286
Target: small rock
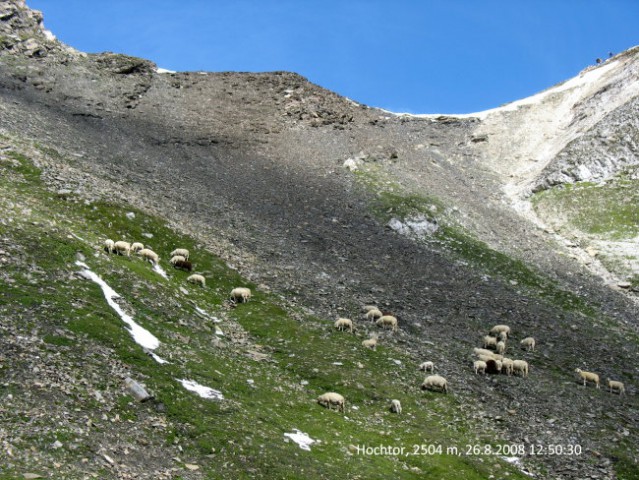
130,215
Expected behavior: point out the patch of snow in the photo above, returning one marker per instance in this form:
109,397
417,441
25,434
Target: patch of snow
164,70
130,215
48,34
219,332
338,363
141,335
160,270
207,315
419,226
302,439
516,461
201,390
158,359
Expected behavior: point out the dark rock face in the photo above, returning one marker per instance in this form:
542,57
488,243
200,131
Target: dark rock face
252,165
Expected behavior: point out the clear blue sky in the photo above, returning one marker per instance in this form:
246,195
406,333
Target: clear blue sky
418,56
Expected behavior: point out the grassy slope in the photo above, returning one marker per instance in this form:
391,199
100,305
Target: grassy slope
242,436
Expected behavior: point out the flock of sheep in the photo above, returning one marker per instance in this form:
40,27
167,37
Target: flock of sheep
490,359
179,260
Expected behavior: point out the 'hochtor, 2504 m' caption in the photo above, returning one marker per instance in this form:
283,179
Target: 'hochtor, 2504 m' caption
506,449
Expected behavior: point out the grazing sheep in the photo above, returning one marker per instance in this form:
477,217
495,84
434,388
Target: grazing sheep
344,324
370,343
331,398
479,366
507,366
528,343
109,246
396,406
497,329
488,358
493,365
374,314
500,348
503,336
483,351
149,255
385,320
121,246
241,295
368,308
588,377
489,341
520,366
177,258
183,265
181,251
197,278
136,247
616,385
427,367
435,382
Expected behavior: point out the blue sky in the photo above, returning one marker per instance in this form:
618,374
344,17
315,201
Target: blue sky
418,56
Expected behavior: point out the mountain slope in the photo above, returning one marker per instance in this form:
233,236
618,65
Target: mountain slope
248,170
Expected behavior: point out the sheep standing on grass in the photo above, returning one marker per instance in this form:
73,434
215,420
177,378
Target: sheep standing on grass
344,324
616,385
176,258
185,265
182,252
387,320
507,366
587,377
435,382
396,406
489,341
479,366
136,247
370,343
122,247
373,314
109,246
497,329
520,366
150,255
240,295
528,343
197,278
427,367
500,348
331,398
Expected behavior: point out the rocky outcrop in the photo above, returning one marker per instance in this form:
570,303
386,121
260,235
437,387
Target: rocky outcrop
22,31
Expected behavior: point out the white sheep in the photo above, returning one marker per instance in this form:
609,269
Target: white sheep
520,366
588,377
344,324
180,251
241,294
616,385
500,348
370,343
528,343
197,278
483,351
435,382
368,308
479,366
489,341
149,255
121,246
387,320
177,258
507,366
109,246
331,398
396,406
497,329
136,247
427,367
374,314
503,336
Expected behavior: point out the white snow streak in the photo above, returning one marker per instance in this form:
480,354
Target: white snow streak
516,461
141,335
301,438
160,270
201,390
